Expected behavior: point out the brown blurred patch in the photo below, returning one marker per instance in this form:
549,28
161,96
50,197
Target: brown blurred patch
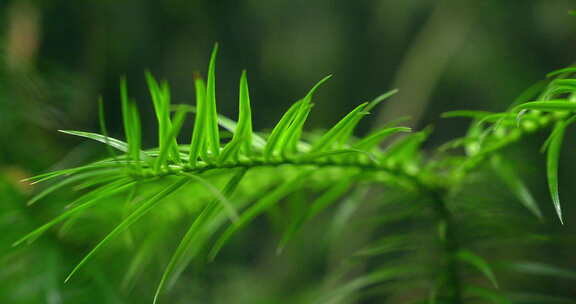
15,176
23,36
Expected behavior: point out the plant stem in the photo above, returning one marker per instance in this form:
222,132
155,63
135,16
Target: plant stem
177,169
452,280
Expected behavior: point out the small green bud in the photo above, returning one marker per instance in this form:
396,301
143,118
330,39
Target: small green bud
411,168
559,114
515,134
544,120
500,132
529,125
535,113
473,148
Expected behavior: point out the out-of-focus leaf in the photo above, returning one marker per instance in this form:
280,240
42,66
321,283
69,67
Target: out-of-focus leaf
517,186
562,71
84,202
542,270
374,277
486,294
479,263
142,209
550,105
179,260
328,197
259,207
466,113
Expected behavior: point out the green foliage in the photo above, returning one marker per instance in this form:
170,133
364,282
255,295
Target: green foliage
230,184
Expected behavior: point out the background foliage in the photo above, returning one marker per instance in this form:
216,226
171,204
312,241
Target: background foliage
443,55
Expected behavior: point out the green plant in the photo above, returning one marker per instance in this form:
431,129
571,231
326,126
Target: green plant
227,184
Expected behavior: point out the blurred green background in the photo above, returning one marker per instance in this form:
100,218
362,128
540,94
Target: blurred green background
58,57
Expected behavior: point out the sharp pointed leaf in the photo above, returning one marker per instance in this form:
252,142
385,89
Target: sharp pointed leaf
334,134
377,137
242,139
112,142
197,143
170,137
552,160
213,137
73,179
